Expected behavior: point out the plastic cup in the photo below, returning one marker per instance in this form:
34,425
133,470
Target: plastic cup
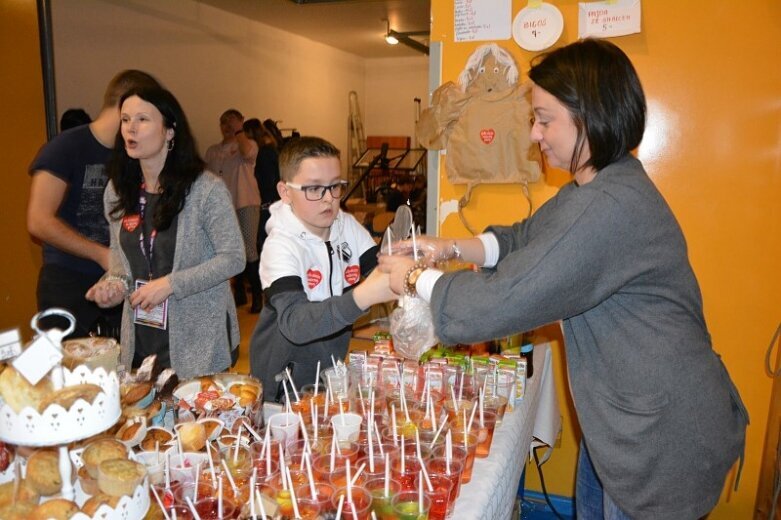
441,504
406,506
496,404
346,426
453,413
167,495
338,478
381,504
205,489
183,466
308,509
409,477
238,463
321,464
379,466
361,503
155,465
466,455
438,466
387,447
208,509
284,427
323,494
485,433
339,381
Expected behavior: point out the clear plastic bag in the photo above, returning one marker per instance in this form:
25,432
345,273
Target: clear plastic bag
411,323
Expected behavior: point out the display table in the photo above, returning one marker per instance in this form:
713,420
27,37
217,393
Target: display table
535,422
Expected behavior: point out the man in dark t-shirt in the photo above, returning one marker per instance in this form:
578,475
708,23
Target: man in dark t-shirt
65,211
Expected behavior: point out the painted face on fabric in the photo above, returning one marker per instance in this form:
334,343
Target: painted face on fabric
491,77
554,130
142,128
317,216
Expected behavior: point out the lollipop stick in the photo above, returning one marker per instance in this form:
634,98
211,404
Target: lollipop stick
317,378
292,384
159,502
196,516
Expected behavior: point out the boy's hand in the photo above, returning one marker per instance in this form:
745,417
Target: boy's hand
374,289
397,268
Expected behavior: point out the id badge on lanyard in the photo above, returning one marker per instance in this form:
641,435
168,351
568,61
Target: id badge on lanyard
157,317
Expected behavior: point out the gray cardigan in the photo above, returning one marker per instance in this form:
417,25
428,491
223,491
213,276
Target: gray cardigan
209,251
662,421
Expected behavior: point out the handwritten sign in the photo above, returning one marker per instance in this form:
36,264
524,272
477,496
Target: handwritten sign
538,27
608,19
482,20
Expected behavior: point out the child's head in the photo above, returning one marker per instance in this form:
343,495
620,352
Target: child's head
310,183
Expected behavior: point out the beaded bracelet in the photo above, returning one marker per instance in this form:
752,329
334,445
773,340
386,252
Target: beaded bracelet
411,278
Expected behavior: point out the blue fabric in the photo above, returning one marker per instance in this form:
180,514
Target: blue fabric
591,501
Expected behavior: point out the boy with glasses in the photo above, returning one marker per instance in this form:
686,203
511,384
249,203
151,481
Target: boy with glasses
310,268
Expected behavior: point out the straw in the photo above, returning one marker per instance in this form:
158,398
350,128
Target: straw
404,397
292,494
472,416
466,431
358,474
371,440
173,513
252,484
287,397
211,462
420,496
314,420
159,502
282,468
480,406
349,482
168,468
333,452
310,477
219,499
436,435
425,475
292,384
236,447
307,447
379,441
230,478
453,396
267,449
259,498
448,451
417,444
393,423
317,378
196,516
333,362
327,396
253,432
387,475
197,478
374,516
403,455
339,508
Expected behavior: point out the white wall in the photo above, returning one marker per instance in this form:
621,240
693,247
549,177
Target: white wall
210,59
391,86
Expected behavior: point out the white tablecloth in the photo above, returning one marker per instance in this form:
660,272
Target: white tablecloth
535,422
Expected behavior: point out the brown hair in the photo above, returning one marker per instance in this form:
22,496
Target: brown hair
124,82
300,148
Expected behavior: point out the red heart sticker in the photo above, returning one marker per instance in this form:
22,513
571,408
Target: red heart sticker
487,135
352,274
131,222
313,278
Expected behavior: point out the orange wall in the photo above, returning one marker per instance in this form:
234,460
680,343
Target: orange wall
713,82
21,134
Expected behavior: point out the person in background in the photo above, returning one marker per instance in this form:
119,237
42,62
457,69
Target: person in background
233,160
273,129
267,177
175,243
74,117
311,266
662,422
65,212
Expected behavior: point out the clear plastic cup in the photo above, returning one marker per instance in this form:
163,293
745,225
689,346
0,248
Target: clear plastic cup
323,494
441,497
485,433
284,427
381,503
346,426
408,474
407,506
208,509
361,503
438,466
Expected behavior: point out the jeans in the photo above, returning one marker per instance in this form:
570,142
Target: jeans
591,501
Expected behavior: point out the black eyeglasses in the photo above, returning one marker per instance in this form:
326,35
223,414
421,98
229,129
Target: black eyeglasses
315,192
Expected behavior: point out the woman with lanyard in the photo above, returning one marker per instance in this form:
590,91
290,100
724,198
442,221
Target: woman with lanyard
175,243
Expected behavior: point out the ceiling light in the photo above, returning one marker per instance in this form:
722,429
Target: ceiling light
394,37
390,39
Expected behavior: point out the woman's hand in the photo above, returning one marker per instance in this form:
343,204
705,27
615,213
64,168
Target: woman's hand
397,267
433,249
107,293
151,294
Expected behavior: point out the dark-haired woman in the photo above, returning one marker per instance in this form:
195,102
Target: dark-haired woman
175,243
662,423
267,176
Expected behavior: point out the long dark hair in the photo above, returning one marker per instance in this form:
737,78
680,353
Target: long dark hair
597,83
182,166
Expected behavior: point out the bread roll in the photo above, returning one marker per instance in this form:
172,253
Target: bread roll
19,393
118,477
91,506
25,493
43,472
56,509
67,396
100,450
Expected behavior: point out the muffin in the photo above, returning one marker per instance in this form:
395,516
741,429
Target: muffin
192,435
43,472
100,450
118,477
56,509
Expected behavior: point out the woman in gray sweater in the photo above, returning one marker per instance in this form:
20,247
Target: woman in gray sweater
175,243
662,422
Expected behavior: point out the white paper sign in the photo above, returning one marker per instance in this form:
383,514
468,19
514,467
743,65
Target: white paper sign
481,20
608,19
38,359
537,28
10,344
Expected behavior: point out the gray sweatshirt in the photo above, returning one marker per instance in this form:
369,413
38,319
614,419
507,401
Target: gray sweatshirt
662,421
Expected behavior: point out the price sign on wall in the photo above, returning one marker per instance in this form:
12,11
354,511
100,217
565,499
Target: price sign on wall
481,20
537,26
607,19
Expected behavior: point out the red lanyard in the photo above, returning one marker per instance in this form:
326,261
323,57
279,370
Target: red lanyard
148,256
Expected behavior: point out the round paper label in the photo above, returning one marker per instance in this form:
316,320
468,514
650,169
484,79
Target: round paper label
537,28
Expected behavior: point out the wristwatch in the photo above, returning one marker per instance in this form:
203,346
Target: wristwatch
411,279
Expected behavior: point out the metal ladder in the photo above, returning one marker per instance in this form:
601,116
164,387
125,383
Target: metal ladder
357,138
